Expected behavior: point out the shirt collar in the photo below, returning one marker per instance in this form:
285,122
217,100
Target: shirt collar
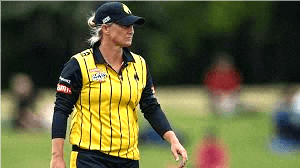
127,56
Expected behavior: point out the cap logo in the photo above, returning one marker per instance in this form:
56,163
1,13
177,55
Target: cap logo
126,9
106,19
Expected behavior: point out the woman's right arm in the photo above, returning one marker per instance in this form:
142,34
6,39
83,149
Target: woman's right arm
68,89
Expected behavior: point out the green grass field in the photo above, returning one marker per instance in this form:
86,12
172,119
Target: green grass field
247,137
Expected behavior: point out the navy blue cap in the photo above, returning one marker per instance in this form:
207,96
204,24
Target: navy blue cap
117,12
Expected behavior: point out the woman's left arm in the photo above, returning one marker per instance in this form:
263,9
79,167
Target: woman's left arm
176,147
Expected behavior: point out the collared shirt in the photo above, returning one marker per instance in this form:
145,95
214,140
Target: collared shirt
69,90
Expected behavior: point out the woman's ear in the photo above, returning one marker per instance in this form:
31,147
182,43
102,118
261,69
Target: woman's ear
105,29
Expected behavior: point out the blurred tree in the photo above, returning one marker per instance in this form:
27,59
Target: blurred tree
284,39
178,39
38,40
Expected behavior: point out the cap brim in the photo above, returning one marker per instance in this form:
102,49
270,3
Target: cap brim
131,20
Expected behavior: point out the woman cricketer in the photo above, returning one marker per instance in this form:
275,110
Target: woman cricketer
102,87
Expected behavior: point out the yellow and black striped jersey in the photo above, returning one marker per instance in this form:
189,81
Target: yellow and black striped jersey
105,103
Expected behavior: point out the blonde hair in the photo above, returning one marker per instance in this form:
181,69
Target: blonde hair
95,30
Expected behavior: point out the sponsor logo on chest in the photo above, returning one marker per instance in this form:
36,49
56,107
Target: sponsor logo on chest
100,76
94,70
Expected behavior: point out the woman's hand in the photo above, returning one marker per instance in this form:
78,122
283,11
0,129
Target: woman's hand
57,162
176,148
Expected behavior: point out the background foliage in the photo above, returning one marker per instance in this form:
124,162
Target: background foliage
179,39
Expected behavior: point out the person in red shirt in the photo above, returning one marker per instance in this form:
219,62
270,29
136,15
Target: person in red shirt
223,82
212,153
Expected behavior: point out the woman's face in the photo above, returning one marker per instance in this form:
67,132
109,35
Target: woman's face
121,35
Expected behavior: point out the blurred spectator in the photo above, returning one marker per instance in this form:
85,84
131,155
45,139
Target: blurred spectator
22,88
223,82
286,118
211,152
